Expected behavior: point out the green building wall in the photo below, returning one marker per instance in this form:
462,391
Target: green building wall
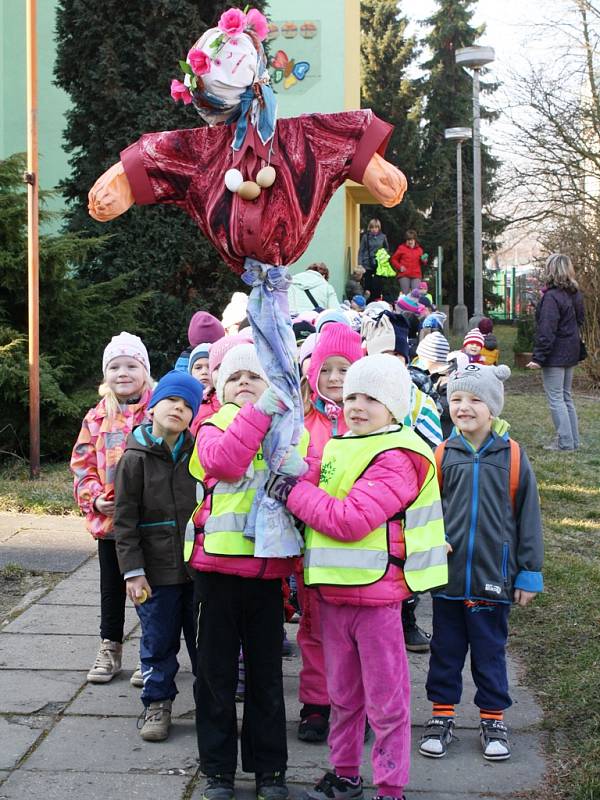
328,45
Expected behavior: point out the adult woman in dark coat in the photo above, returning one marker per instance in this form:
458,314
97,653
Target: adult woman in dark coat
559,316
370,243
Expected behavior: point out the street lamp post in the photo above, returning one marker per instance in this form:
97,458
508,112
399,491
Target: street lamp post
475,58
459,314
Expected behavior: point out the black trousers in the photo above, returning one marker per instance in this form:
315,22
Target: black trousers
112,592
234,610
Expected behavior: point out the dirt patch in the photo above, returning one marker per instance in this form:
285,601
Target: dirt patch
16,583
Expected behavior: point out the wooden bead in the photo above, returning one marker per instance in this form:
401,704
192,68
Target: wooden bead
233,179
266,177
249,190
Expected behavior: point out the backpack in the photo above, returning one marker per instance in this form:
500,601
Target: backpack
514,469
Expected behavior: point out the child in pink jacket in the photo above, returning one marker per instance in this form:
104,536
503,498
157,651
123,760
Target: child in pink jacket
355,557
125,392
337,347
239,596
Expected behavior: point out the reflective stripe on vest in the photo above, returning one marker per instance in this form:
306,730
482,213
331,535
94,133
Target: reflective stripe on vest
231,502
328,561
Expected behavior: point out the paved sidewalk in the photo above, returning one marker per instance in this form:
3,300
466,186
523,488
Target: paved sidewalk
61,738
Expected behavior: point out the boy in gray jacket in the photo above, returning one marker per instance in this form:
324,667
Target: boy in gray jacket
494,533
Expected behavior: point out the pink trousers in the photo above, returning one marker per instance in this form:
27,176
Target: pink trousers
313,683
367,675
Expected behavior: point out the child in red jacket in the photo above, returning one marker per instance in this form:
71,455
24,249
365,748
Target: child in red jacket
377,497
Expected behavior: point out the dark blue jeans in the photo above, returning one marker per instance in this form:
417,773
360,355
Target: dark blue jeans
169,611
456,629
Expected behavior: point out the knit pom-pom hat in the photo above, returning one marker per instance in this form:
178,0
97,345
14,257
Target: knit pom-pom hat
334,340
241,357
383,377
474,336
406,303
486,383
485,325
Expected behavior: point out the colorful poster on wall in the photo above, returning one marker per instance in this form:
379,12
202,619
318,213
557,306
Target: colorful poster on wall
295,55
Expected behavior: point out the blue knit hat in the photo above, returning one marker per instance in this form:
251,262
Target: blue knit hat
359,300
330,315
201,351
178,384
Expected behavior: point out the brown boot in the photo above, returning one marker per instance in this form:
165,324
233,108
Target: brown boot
107,663
157,721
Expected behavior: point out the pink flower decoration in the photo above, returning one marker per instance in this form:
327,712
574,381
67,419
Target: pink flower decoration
258,23
232,22
199,62
180,92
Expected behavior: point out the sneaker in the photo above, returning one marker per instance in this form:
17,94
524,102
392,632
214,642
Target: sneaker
494,739
271,786
313,728
137,679
219,787
438,734
332,787
416,640
107,663
157,721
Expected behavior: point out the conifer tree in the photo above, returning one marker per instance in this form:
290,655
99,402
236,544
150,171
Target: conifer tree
386,55
116,60
447,95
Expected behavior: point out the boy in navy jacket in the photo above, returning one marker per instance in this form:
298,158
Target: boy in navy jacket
494,533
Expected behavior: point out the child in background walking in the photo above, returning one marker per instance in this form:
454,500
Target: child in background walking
359,557
125,393
493,527
239,595
155,496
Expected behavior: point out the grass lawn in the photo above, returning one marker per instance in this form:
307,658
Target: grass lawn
52,493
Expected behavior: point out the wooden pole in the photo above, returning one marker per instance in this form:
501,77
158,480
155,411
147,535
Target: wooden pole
33,263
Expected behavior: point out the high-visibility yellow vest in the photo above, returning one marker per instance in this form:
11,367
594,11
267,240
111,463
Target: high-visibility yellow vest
231,502
329,561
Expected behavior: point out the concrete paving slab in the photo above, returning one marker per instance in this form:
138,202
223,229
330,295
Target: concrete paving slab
91,786
17,734
55,652
116,744
73,592
11,523
57,548
85,620
121,699
35,691
90,571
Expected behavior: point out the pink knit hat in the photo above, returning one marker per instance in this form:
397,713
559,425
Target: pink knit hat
406,303
307,348
474,336
336,339
204,327
223,345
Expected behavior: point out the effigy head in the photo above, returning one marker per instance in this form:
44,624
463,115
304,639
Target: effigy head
226,77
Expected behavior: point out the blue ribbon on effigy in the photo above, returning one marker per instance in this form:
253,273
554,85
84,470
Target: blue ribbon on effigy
269,523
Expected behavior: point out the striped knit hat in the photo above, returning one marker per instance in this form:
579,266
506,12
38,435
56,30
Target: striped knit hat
474,336
434,347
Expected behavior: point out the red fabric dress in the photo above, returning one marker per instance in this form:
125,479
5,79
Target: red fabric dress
313,154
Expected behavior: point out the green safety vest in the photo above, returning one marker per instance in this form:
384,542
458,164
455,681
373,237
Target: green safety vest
231,502
329,561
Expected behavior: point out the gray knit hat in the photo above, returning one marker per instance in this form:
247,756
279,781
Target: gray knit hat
241,357
383,377
486,383
434,347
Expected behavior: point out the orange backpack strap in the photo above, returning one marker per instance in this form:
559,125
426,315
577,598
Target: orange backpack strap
514,472
439,457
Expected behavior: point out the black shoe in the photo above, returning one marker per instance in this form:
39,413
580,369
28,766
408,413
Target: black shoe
416,640
494,740
438,734
271,786
219,787
332,787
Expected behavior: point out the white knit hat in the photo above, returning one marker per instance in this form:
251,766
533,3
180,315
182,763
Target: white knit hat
235,310
434,347
240,357
383,377
126,344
